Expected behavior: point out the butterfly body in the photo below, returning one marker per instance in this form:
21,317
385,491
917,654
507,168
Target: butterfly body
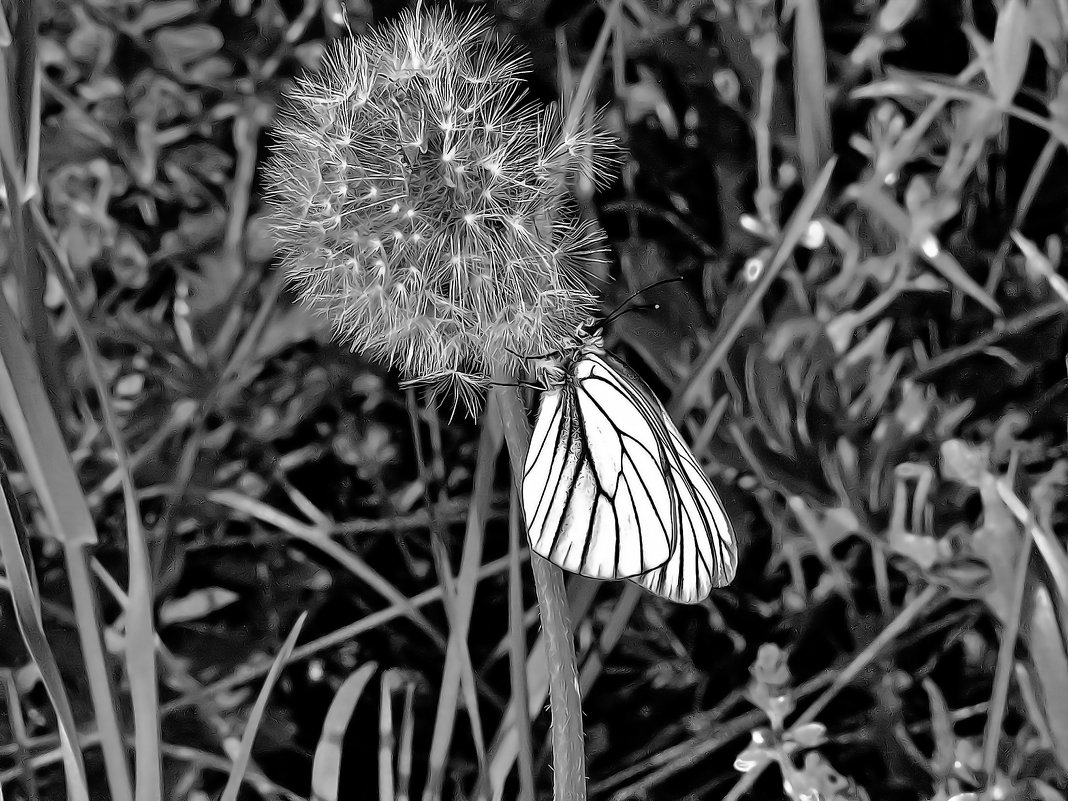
610,488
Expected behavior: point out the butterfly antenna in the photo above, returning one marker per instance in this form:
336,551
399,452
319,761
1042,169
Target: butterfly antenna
517,384
533,356
622,307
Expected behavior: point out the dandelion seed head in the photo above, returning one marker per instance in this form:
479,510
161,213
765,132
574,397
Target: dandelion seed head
421,204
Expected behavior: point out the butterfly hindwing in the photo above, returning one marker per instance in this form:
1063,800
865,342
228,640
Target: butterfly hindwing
705,552
596,494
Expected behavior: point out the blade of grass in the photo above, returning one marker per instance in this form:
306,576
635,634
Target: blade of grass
228,381
610,634
334,638
576,104
1048,545
321,541
19,128
407,736
207,761
886,209
457,657
326,764
714,734
43,453
306,651
140,640
19,734
810,89
517,656
386,738
1049,665
459,598
1006,660
1001,330
42,450
178,677
687,753
900,624
28,617
939,91
244,751
728,330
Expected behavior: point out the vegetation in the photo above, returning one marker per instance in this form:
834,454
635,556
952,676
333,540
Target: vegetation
242,559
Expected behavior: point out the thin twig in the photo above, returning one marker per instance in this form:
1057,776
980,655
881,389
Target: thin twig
1010,328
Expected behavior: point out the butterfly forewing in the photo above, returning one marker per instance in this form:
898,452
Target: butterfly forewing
595,491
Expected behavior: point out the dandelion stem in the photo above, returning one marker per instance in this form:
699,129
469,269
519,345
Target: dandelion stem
565,703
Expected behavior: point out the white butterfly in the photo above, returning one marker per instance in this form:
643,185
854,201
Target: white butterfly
612,491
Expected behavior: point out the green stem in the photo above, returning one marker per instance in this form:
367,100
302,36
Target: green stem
565,703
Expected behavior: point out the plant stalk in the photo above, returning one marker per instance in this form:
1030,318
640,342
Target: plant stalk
565,703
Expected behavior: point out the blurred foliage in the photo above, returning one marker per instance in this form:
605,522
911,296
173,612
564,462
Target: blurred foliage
888,427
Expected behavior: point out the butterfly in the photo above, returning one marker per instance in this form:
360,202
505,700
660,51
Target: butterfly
610,488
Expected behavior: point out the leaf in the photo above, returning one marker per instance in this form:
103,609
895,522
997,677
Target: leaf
1009,51
1050,664
810,89
997,542
809,735
883,207
896,13
163,12
32,425
326,765
27,614
1038,264
749,302
770,667
751,758
1048,29
1048,492
964,463
941,729
198,604
964,577
394,752
925,551
1058,110
186,45
645,98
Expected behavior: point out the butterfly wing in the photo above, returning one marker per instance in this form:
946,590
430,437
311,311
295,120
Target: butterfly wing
706,551
596,492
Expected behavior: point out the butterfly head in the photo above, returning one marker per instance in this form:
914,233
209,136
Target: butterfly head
551,369
550,372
